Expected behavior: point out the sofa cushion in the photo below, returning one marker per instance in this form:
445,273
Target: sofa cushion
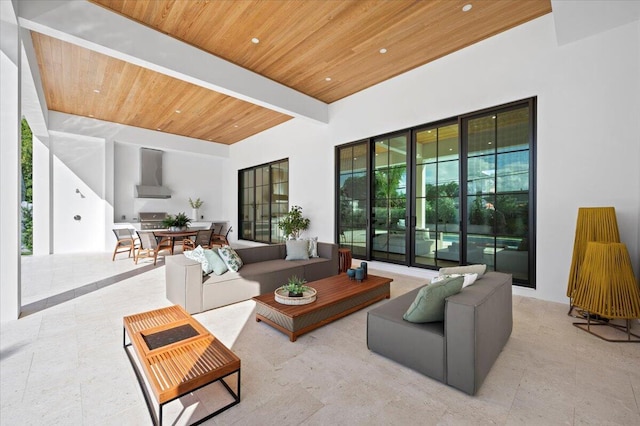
468,269
216,263
231,258
297,250
428,305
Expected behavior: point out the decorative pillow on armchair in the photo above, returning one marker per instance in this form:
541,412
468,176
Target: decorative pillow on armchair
231,258
429,303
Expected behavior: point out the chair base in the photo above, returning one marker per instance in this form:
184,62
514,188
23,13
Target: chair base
593,322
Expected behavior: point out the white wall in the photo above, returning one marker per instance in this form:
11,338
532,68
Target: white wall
186,174
78,190
588,130
102,161
310,156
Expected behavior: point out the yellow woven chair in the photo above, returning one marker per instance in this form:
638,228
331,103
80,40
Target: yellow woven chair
607,288
594,224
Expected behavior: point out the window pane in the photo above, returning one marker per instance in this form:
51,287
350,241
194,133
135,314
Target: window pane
513,171
426,146
513,130
481,136
481,175
448,142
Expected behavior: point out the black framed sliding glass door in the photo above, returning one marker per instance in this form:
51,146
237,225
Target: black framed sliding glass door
353,197
460,191
436,236
499,159
389,220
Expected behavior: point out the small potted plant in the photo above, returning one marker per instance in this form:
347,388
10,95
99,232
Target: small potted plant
179,222
296,286
195,205
293,223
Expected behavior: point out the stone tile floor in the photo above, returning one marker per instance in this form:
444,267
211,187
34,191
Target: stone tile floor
63,363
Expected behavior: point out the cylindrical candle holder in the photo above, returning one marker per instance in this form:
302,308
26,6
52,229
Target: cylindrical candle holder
351,273
359,274
363,265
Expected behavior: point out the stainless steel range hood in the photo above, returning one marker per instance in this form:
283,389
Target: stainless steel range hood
151,175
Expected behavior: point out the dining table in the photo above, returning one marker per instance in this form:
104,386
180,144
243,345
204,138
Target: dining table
172,235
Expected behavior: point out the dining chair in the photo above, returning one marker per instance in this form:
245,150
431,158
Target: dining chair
126,242
202,239
219,239
150,247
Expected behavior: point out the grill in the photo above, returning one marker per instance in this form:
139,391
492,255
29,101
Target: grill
151,220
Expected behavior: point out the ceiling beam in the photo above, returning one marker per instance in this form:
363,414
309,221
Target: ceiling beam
96,28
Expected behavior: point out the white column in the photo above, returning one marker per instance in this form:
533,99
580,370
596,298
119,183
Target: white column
9,163
42,196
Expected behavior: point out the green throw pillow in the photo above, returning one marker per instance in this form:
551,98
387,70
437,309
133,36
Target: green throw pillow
297,250
230,258
215,262
429,303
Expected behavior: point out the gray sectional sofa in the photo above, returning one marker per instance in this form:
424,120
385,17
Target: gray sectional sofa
459,351
265,269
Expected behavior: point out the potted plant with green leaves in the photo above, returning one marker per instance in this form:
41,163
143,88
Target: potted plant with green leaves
293,223
179,222
296,286
195,206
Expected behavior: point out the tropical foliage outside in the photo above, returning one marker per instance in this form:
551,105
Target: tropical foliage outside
26,162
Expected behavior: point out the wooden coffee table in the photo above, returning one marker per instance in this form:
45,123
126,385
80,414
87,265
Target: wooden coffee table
178,356
337,297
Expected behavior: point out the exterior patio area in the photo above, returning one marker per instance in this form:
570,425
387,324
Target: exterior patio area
63,362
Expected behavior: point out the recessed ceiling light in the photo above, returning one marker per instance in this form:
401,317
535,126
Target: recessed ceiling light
450,149
210,139
158,128
235,125
490,142
494,117
255,40
383,50
91,115
96,91
466,7
327,78
178,111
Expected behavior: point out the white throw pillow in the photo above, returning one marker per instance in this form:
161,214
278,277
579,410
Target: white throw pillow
468,269
198,255
297,250
468,278
313,247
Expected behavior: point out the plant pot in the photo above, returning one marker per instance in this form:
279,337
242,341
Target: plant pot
295,294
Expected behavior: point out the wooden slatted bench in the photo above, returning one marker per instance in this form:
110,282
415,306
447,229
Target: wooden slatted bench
178,356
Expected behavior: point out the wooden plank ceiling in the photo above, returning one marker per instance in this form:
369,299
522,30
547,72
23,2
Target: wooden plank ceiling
326,49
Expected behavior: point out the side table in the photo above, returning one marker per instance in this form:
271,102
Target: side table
344,256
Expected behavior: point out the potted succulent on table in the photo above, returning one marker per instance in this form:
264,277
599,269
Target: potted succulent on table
296,286
179,222
293,223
